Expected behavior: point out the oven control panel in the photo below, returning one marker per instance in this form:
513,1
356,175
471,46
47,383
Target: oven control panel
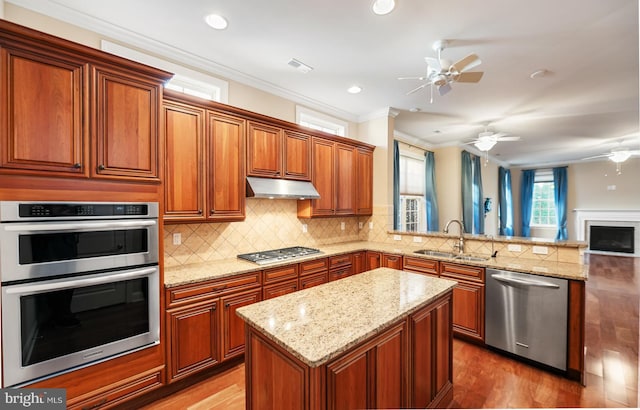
79,210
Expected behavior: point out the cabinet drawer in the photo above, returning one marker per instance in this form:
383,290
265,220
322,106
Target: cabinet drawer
340,273
279,289
314,279
280,273
340,260
200,291
421,265
463,272
118,393
314,266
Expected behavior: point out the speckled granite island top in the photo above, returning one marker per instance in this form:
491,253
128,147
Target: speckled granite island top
317,324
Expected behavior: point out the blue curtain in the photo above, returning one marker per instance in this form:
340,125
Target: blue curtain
505,202
467,192
430,191
526,200
560,198
478,196
396,186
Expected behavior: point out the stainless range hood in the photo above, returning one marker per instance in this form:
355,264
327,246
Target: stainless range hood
280,188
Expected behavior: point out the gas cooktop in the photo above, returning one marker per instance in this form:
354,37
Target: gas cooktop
278,255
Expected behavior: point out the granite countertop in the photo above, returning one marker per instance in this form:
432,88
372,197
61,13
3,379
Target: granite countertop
193,273
319,323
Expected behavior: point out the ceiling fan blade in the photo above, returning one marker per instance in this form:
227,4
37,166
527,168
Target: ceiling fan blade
466,63
508,138
434,63
412,78
469,77
597,156
418,88
443,89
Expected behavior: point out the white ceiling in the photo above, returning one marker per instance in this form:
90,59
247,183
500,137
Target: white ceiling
587,105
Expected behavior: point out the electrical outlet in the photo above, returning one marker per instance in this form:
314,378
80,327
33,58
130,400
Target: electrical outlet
514,248
370,225
343,226
177,238
304,228
417,238
540,250
397,237
360,225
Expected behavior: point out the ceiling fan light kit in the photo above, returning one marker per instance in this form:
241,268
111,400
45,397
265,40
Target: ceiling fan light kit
485,145
619,156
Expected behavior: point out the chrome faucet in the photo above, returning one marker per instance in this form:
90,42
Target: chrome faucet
460,244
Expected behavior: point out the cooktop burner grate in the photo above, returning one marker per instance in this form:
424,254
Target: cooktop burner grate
278,255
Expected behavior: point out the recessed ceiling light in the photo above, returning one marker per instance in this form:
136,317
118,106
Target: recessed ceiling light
354,89
539,73
414,109
382,7
216,21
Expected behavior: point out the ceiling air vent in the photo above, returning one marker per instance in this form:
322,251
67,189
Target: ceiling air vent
299,65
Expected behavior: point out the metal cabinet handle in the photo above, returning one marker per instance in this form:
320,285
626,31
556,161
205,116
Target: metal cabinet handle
227,305
101,167
77,165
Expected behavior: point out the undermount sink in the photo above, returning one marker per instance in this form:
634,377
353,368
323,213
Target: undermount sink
452,255
435,253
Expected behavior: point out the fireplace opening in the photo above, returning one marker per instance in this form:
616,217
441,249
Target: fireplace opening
612,238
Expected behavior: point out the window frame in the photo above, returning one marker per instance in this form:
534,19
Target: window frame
544,177
315,120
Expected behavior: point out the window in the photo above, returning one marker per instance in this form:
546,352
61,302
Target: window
412,184
321,122
543,212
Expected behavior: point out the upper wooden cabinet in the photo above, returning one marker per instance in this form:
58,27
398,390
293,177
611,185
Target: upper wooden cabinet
273,152
68,110
345,181
364,181
204,170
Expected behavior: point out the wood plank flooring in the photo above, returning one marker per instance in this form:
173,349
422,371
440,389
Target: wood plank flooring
485,379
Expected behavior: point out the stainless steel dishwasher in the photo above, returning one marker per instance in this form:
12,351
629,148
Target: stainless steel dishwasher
527,315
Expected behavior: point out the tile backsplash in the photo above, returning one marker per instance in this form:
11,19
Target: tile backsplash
269,224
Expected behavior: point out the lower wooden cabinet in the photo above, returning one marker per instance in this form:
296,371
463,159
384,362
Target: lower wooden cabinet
279,289
421,265
468,300
359,262
194,335
313,280
374,260
339,273
392,261
232,325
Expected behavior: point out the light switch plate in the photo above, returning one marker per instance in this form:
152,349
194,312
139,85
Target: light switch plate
514,248
360,225
540,250
343,226
304,228
397,237
370,225
417,239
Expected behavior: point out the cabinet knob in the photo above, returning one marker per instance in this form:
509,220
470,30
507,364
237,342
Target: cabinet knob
101,167
211,212
77,165
200,211
227,305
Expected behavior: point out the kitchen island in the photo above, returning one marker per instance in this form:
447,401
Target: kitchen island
380,339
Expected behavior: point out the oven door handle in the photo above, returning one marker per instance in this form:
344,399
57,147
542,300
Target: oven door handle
75,226
62,284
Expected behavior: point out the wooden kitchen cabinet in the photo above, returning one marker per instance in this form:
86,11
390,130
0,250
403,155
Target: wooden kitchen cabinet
340,266
232,326
72,111
297,156
345,181
392,261
314,279
468,299
279,289
374,260
314,272
264,150
184,185
194,333
421,265
126,117
359,262
364,181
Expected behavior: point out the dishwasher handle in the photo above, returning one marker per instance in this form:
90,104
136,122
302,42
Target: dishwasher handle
525,282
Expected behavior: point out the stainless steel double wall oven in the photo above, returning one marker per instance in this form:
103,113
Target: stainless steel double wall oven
80,284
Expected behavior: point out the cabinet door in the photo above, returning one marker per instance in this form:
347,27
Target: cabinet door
340,273
43,119
264,150
359,262
345,180
297,156
374,260
232,326
323,177
364,182
184,185
392,261
314,279
226,179
348,383
125,113
194,339
468,310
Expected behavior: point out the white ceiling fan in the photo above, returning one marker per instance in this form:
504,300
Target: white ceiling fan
487,139
618,156
441,72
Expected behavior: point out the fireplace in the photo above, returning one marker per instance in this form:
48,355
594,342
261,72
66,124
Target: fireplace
611,238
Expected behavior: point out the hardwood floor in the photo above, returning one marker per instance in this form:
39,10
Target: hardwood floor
485,379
